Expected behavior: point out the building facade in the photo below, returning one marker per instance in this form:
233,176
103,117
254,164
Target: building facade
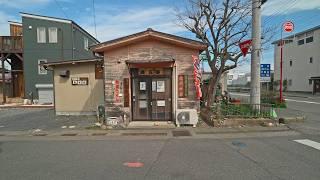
149,75
78,86
301,61
48,39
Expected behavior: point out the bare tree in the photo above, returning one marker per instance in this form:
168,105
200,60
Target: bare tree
222,24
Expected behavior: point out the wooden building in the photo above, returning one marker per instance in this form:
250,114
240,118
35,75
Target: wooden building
11,52
149,75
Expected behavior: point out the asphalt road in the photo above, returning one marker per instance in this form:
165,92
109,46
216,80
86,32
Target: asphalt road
264,157
21,119
253,158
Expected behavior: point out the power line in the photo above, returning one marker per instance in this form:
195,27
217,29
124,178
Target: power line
292,4
94,19
59,5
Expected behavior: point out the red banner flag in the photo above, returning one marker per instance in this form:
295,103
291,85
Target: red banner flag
244,46
197,76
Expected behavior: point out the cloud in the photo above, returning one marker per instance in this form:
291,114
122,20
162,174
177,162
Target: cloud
21,3
117,22
4,25
283,7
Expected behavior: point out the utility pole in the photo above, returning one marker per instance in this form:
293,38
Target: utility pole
4,98
256,54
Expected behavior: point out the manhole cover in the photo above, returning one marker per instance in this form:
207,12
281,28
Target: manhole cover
144,134
239,144
181,133
133,164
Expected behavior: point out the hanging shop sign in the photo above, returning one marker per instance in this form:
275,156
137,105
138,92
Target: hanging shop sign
117,91
197,76
245,46
79,81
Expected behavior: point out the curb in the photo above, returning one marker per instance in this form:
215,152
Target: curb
146,133
26,107
287,120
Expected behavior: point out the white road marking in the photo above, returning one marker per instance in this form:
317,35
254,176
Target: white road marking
238,94
308,142
293,100
308,102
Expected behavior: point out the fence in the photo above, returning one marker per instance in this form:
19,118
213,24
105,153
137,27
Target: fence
231,110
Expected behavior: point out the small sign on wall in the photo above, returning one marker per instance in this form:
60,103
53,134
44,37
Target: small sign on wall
79,81
160,86
143,86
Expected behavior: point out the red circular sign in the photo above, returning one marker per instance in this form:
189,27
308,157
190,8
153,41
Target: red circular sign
288,26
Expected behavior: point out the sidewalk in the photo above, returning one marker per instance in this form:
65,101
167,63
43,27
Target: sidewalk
152,132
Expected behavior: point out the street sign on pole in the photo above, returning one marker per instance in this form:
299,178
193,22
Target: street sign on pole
265,73
288,26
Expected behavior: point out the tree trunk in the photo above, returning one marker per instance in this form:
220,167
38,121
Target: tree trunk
214,81
212,90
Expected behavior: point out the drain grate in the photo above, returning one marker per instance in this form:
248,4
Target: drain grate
181,133
144,134
69,134
40,134
99,134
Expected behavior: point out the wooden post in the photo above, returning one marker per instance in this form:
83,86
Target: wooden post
4,98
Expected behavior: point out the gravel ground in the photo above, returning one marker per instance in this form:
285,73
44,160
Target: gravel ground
21,119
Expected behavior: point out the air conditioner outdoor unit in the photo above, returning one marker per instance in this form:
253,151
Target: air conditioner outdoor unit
187,116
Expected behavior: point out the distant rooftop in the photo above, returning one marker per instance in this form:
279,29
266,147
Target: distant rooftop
15,23
298,34
62,20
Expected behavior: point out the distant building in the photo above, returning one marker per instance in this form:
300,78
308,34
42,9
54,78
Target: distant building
301,61
47,39
223,79
230,78
242,79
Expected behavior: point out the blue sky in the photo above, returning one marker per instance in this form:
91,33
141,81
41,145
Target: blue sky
117,18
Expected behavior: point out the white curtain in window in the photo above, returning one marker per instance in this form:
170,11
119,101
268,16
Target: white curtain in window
41,34
53,35
86,43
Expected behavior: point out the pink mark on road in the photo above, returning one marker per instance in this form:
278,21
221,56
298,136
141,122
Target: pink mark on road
133,164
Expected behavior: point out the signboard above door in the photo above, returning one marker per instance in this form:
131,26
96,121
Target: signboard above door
79,81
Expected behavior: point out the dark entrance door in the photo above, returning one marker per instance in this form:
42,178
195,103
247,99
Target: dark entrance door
316,86
151,94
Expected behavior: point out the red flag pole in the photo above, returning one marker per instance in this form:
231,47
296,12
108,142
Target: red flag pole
281,59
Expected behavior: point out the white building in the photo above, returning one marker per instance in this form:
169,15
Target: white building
301,61
242,79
